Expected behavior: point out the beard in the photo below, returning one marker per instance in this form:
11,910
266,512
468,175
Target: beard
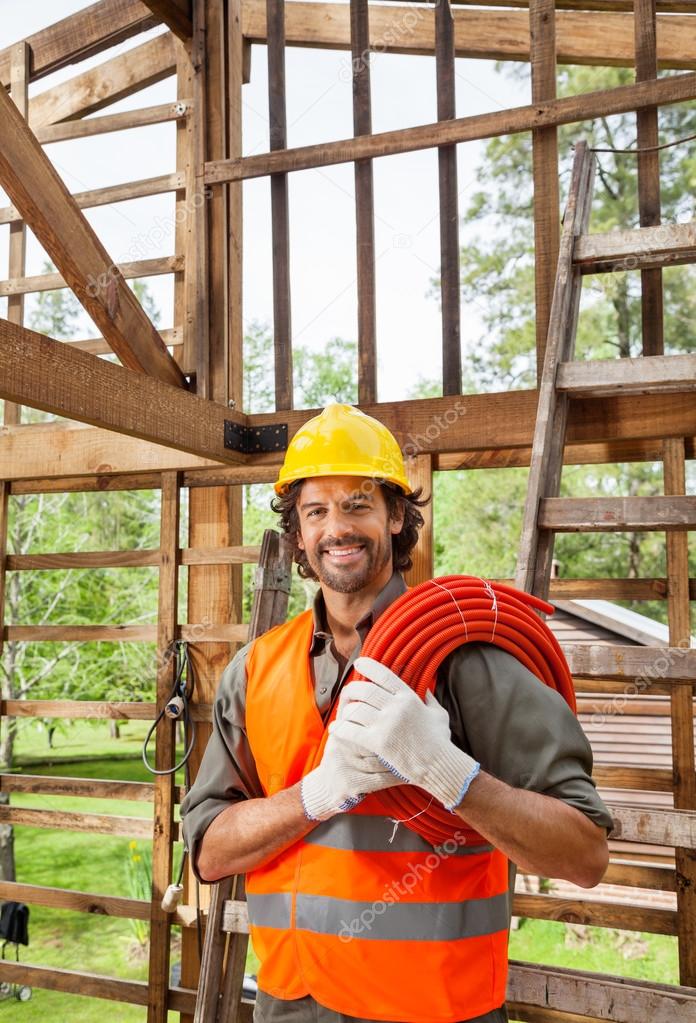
351,579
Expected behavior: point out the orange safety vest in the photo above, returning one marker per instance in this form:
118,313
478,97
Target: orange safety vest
369,927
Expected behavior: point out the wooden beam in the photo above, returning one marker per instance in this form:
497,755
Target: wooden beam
449,205
280,217
652,313
81,902
665,245
364,204
128,271
596,995
618,376
16,263
419,471
586,106
581,38
596,913
165,751
105,84
547,222
682,712
4,508
38,192
89,823
90,788
107,195
639,666
47,374
176,15
654,827
87,32
617,514
127,119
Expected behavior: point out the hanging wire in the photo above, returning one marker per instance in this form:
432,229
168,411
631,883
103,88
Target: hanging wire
644,149
176,706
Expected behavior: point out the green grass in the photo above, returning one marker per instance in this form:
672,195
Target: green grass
97,863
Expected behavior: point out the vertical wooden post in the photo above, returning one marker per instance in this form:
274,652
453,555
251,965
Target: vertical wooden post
449,205
364,204
215,513
542,32
185,211
197,294
682,712
648,175
163,831
19,82
419,470
216,204
280,225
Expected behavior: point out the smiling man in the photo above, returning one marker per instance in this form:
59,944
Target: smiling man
280,796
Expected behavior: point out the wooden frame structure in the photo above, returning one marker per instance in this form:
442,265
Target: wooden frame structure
174,415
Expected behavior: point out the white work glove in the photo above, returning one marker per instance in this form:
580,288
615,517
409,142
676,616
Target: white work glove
345,775
411,737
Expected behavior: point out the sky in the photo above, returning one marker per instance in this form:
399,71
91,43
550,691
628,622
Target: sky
322,231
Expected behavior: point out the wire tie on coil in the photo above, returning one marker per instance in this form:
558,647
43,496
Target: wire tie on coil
461,613
395,821
491,593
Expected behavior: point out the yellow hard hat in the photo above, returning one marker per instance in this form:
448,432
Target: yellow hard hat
343,441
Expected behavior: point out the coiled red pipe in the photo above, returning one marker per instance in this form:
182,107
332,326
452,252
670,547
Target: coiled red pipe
415,634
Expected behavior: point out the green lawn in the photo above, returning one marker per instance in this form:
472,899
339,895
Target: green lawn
96,863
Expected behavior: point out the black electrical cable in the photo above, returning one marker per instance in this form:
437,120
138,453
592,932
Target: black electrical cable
636,151
176,706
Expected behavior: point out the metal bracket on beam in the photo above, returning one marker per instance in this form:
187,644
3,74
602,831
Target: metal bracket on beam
273,579
255,440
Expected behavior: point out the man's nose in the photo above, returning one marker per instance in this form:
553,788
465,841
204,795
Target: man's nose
338,522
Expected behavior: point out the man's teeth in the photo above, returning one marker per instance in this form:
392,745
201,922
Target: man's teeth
343,551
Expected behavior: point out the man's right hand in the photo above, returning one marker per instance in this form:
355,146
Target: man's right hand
345,775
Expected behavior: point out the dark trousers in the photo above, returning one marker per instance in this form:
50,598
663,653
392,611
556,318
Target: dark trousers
306,1010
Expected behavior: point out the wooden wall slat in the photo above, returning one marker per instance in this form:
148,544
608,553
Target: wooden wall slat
652,315
364,204
449,204
547,222
280,223
81,902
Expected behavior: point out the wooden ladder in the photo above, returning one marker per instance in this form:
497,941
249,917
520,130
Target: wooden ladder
227,925
609,668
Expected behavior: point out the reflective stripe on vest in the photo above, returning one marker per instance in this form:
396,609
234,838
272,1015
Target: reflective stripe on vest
435,919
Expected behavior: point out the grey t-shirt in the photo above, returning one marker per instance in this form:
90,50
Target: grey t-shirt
519,730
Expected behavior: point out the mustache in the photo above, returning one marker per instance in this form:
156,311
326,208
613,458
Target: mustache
351,542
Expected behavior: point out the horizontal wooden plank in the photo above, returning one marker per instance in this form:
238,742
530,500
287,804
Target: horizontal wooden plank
176,15
53,281
605,452
130,558
634,707
646,779
619,376
108,82
161,113
637,249
87,32
47,374
75,709
623,685
641,875
656,827
545,114
581,38
214,633
92,823
173,337
96,985
598,995
626,916
617,514
643,664
81,633
105,196
81,902
82,559
91,709
91,788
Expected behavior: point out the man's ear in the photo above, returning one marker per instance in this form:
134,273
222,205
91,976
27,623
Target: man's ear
396,524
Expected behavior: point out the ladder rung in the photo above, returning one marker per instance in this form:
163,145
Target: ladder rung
616,514
606,661
638,249
601,377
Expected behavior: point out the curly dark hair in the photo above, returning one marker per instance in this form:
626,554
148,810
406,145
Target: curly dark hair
402,543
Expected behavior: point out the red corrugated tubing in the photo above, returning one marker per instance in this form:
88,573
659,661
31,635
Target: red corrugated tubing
415,634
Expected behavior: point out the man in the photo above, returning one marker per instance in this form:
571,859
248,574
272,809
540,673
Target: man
354,916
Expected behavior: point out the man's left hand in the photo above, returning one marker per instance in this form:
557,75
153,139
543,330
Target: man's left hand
411,737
